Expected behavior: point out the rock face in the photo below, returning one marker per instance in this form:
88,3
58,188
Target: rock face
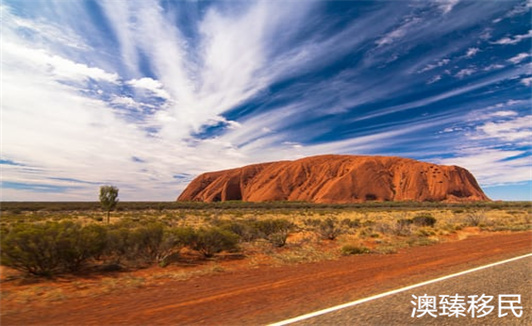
337,179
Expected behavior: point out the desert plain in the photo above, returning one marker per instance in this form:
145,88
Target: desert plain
265,262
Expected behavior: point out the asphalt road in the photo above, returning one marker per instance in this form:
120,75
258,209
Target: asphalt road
510,278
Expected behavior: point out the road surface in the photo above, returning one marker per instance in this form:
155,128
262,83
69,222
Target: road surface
402,308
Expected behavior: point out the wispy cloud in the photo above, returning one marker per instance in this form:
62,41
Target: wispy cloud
399,32
501,169
527,81
520,57
434,79
520,8
509,130
137,93
151,85
465,72
471,52
514,39
440,63
447,5
494,66
53,65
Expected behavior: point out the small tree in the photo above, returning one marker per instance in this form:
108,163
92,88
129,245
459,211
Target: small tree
108,198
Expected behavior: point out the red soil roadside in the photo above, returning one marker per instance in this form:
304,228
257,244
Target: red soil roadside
269,294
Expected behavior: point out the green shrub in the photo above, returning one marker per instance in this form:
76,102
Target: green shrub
119,244
44,249
354,250
244,229
274,230
174,239
77,244
213,240
145,242
153,242
31,249
270,226
424,219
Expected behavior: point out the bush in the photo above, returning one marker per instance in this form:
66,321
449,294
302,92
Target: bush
424,219
271,226
118,244
153,242
329,229
402,227
77,244
312,222
278,239
213,240
351,223
274,230
31,249
475,218
244,229
354,250
145,242
44,249
174,239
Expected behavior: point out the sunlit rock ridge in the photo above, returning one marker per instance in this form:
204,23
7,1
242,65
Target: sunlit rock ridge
337,179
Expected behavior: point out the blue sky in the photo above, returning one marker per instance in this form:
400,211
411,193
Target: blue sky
145,95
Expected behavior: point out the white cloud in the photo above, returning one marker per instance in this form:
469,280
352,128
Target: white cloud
471,52
85,138
434,79
465,72
501,169
440,63
516,129
514,40
292,144
399,32
510,102
125,100
436,98
520,57
447,5
519,9
451,129
227,66
42,31
486,34
52,65
235,57
527,81
493,67
150,84
504,114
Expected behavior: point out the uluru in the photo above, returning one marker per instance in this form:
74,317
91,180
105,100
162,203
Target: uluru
337,179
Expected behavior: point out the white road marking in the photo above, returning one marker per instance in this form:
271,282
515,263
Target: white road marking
378,296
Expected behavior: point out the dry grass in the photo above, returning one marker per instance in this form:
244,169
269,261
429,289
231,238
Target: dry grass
376,230
304,254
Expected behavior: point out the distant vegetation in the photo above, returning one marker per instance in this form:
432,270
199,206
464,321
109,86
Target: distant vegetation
139,206
51,238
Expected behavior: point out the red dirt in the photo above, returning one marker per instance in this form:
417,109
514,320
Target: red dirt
259,296
337,179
